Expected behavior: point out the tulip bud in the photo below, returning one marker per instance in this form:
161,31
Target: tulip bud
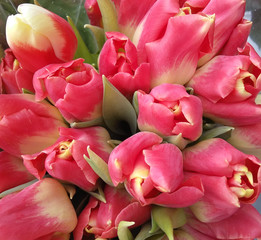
230,178
39,37
43,205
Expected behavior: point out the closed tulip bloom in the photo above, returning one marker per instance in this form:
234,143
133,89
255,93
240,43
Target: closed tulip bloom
12,172
118,61
40,211
230,178
153,172
39,37
80,92
237,82
27,126
102,219
170,111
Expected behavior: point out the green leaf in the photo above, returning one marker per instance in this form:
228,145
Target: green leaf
99,166
82,51
118,113
99,194
94,122
109,15
168,218
177,140
17,188
98,33
113,143
135,102
123,230
146,234
223,132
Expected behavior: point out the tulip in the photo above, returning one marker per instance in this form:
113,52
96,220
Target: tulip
228,15
170,111
43,205
118,61
230,178
80,92
12,172
237,83
65,159
13,77
145,34
102,219
26,126
130,14
39,37
93,12
178,64
247,139
243,224
238,38
153,172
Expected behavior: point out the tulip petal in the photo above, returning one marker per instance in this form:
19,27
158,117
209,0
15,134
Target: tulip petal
12,172
121,163
243,224
178,64
227,16
161,158
44,205
188,193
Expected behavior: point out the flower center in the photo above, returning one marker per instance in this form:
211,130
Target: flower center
64,150
242,182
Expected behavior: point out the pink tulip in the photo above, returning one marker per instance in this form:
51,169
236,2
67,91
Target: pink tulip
26,126
228,14
80,91
169,110
102,219
93,12
39,37
13,77
130,14
238,38
179,62
229,177
237,82
12,172
40,211
153,172
145,34
118,61
244,224
64,160
247,139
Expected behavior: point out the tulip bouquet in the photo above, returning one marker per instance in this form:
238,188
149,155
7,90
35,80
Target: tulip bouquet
146,129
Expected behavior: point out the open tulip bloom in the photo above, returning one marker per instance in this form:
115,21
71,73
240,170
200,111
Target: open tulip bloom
129,120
